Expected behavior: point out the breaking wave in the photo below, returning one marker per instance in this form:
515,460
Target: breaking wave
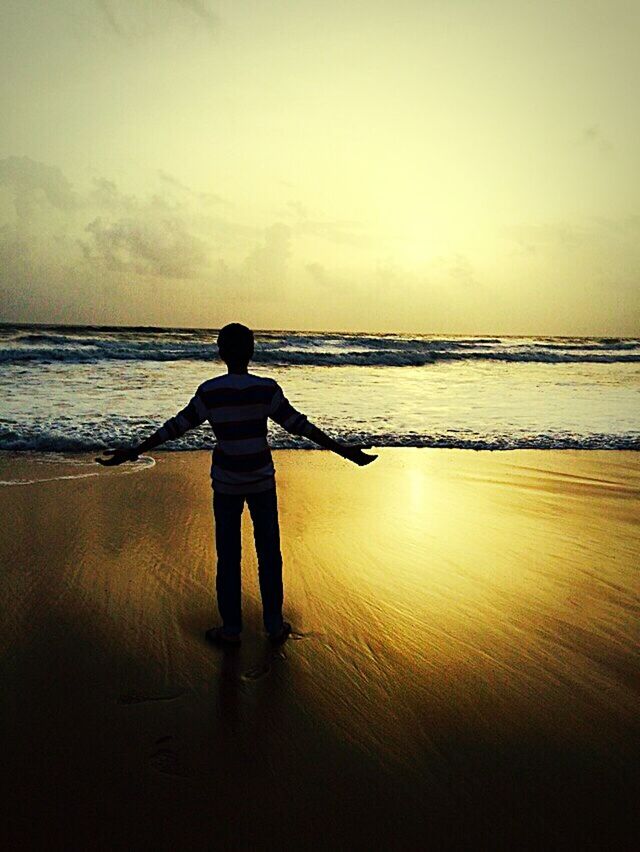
80,345
50,440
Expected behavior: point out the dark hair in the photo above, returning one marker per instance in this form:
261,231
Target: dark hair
235,343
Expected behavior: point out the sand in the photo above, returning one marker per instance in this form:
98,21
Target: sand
463,674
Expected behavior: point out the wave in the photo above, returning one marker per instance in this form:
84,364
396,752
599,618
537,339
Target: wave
52,442
91,346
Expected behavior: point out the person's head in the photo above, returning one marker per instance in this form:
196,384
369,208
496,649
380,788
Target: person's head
235,345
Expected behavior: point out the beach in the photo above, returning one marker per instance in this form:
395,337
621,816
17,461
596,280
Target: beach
463,671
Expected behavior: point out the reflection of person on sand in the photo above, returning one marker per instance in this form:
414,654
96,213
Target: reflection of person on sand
237,405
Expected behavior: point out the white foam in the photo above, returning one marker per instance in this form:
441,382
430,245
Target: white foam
92,346
135,467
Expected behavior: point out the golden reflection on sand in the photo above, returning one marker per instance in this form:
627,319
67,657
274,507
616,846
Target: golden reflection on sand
452,591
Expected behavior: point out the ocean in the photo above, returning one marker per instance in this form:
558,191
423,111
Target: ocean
85,388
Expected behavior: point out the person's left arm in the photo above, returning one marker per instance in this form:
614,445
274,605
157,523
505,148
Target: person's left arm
296,423
192,415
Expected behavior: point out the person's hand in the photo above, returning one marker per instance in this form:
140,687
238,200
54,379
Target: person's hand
355,454
124,454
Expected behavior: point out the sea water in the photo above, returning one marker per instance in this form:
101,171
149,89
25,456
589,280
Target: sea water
85,388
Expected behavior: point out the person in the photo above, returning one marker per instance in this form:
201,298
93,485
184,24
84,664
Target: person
237,405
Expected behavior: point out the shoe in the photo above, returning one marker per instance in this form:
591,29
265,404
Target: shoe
282,635
217,636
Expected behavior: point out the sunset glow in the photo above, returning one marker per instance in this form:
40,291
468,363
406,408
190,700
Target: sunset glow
429,167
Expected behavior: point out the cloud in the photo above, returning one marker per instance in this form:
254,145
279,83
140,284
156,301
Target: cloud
266,265
318,274
206,197
103,253
344,233
124,20
173,181
109,16
116,231
162,248
461,271
594,137
33,184
588,256
622,226
454,269
258,273
548,236
70,254
201,11
105,194
564,241
102,250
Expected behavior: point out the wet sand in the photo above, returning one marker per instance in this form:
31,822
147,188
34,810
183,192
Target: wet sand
463,675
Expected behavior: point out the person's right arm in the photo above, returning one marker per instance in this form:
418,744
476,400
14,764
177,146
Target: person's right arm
297,424
192,415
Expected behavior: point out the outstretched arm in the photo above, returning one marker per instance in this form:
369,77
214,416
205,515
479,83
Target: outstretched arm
125,454
192,415
293,421
347,451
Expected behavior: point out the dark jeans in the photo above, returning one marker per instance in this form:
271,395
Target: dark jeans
227,511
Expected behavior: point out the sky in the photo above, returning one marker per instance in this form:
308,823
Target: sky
431,166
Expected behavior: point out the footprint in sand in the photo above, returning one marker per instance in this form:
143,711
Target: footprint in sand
297,635
256,673
262,670
140,699
166,759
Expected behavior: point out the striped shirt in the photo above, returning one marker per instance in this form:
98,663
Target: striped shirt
237,406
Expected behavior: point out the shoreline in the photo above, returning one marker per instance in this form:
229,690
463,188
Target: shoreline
629,444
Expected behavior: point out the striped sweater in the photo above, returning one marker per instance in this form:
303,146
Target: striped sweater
237,407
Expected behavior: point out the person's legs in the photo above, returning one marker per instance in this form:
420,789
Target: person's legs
227,511
266,531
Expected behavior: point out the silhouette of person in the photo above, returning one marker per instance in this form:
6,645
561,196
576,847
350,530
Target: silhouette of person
237,405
